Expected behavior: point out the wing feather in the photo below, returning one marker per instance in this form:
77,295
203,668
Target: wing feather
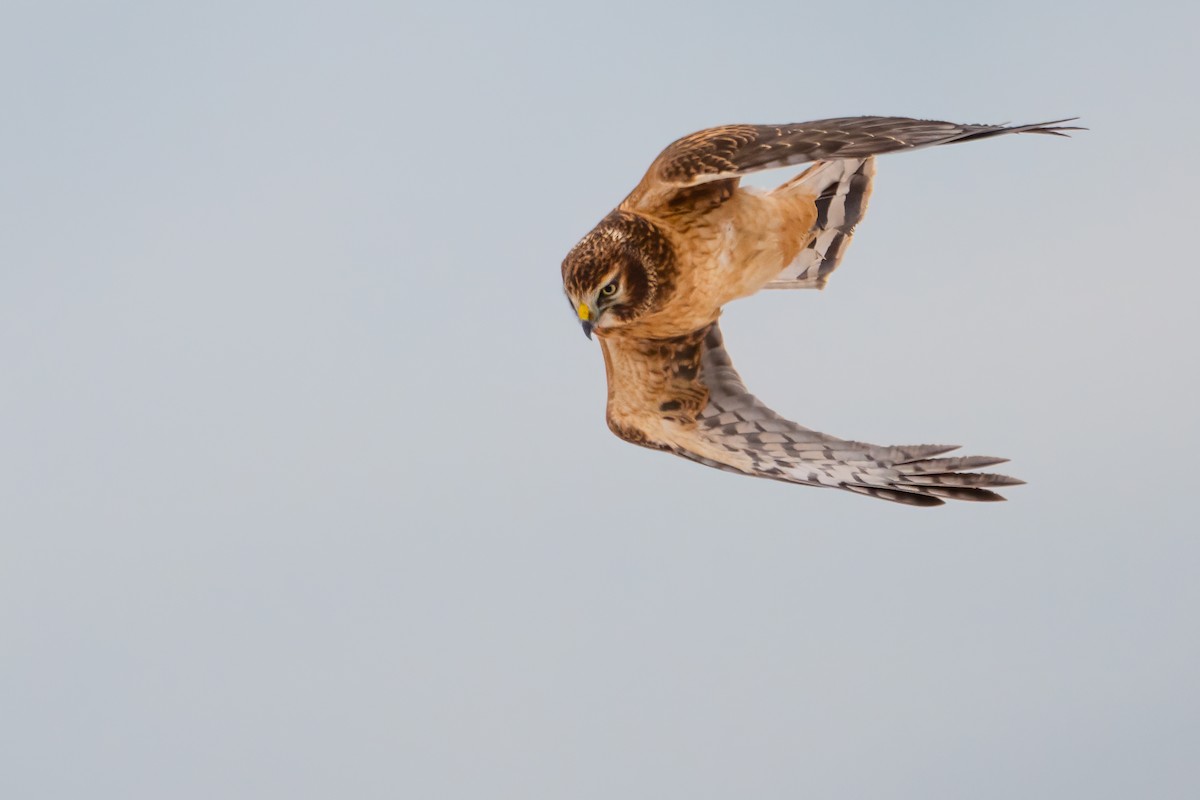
730,151
683,395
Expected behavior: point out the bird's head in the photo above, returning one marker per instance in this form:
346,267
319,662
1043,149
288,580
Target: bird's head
618,273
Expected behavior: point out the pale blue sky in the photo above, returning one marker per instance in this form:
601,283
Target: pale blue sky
305,488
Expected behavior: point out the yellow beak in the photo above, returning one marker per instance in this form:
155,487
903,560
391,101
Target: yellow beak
585,319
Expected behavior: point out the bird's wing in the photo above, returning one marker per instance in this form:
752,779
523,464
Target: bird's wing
729,151
683,395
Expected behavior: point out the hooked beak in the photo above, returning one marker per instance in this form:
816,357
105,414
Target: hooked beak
585,319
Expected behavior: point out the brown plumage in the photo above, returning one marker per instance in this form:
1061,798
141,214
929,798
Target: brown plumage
651,278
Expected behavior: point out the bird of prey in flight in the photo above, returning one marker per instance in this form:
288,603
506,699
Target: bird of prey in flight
650,280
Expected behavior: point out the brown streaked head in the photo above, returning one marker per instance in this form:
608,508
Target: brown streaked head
623,269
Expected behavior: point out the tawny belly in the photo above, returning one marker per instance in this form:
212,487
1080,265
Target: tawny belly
732,252
752,240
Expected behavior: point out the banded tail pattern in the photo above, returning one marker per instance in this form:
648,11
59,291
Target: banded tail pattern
842,189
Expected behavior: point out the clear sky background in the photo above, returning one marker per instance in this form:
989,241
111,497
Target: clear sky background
305,487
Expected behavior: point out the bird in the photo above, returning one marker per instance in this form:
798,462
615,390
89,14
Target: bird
650,279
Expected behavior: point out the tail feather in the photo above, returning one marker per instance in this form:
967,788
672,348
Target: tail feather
842,189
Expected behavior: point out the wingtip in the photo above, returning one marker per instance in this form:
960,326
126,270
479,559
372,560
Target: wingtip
1054,127
914,453
969,493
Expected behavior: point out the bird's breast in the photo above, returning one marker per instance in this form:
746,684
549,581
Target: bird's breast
742,246
725,253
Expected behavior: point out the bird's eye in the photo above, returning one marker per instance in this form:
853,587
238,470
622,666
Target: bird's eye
609,290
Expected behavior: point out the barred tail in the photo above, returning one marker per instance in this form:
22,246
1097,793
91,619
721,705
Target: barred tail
842,189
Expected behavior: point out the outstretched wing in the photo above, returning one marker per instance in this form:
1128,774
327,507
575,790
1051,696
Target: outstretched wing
684,396
730,151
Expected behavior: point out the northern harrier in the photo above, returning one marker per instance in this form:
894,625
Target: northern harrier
651,278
